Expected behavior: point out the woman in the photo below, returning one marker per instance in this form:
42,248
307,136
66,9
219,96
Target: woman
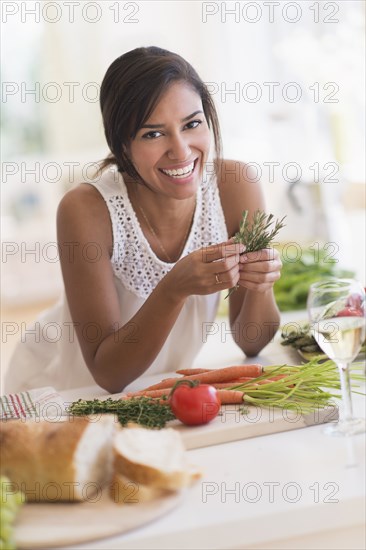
146,249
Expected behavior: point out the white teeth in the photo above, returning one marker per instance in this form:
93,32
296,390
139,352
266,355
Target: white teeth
181,172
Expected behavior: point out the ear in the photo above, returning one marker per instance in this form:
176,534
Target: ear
126,150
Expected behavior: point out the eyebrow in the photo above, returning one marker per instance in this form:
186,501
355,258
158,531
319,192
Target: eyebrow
162,125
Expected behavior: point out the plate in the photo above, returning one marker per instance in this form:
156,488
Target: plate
323,357
46,525
310,355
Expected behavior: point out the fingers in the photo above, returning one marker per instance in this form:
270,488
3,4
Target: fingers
227,279
261,267
226,265
225,272
262,261
260,270
253,277
258,282
222,250
264,255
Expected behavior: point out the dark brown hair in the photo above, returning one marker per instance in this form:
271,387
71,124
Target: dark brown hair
132,87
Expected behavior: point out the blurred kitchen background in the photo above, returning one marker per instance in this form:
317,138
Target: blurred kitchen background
288,81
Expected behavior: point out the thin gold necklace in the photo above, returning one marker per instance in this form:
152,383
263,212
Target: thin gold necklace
161,246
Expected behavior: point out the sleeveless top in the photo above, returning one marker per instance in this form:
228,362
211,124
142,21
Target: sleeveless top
50,354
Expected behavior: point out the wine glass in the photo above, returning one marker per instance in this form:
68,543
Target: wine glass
336,309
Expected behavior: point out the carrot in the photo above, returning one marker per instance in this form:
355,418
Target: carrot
225,385
244,379
216,376
149,393
222,385
225,396
164,384
228,373
230,396
166,391
188,372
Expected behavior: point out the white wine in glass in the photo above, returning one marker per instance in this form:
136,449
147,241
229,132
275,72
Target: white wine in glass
336,309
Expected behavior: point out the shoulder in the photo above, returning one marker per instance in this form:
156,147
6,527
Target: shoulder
240,189
83,200
82,212
83,196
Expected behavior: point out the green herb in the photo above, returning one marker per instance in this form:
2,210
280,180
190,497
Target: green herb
302,387
302,267
256,235
141,410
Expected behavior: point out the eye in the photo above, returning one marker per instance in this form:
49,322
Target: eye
151,135
193,124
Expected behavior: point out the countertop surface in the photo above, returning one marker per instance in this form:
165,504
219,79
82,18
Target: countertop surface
297,489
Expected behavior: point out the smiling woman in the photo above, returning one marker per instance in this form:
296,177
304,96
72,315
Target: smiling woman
158,221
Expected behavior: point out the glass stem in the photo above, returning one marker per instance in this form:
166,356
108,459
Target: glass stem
346,392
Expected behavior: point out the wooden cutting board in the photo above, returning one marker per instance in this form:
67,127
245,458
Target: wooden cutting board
233,425
60,524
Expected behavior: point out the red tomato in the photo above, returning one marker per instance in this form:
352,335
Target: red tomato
350,312
194,404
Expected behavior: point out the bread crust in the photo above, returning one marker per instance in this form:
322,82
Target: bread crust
38,457
123,490
131,458
147,475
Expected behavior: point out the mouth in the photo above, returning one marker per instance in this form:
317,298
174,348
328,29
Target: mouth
180,173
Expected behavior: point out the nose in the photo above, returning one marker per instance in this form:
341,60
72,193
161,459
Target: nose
179,148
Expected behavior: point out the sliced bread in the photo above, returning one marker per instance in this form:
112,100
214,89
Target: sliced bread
125,491
153,458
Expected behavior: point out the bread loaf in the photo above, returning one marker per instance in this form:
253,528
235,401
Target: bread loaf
68,460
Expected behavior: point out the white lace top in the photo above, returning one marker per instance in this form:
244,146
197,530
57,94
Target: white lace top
137,270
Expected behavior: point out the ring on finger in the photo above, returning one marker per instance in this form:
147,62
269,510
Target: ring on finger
218,282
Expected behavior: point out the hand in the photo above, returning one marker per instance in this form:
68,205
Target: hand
259,270
206,270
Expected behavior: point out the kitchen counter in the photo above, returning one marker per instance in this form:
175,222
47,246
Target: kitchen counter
299,489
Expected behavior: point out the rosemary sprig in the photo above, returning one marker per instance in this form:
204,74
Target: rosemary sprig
142,410
256,235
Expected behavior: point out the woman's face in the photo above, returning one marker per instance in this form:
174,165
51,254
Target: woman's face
170,149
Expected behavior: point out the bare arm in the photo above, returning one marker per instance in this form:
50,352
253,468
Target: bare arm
115,354
253,312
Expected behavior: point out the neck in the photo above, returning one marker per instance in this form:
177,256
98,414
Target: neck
175,212
166,222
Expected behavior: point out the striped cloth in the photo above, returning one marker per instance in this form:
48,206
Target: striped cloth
37,403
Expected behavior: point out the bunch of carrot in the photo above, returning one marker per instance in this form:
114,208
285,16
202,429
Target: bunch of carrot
222,379
278,386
